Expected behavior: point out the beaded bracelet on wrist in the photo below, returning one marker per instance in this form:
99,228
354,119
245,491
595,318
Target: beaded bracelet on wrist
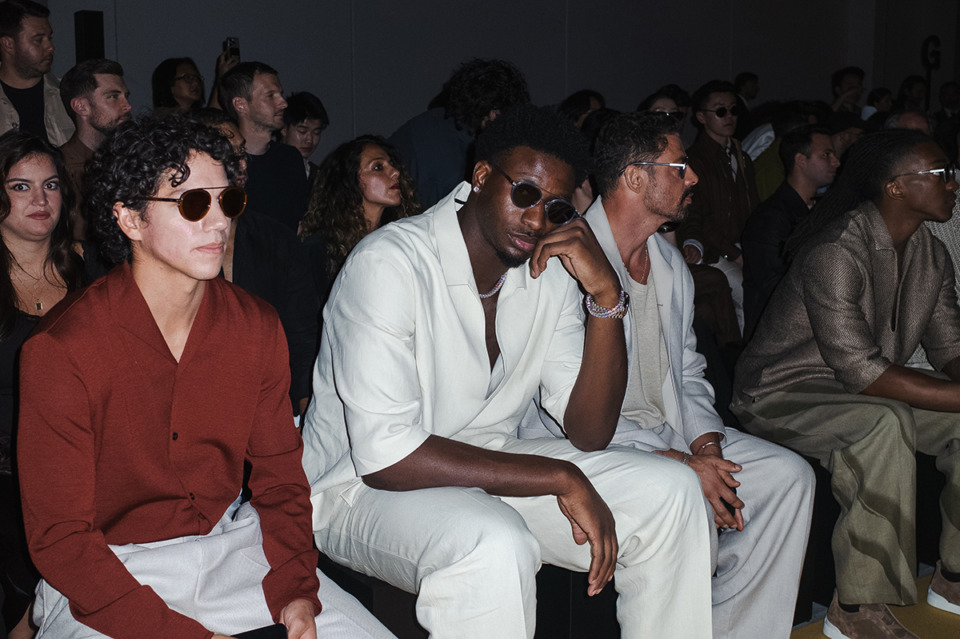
602,312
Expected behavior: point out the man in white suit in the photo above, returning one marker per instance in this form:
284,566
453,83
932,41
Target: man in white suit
760,494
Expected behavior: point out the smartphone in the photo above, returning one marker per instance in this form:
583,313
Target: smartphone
276,631
232,46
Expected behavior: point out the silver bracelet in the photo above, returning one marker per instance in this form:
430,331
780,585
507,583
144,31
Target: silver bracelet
602,312
708,444
683,460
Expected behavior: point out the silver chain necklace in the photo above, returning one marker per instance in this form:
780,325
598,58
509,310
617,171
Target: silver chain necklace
496,287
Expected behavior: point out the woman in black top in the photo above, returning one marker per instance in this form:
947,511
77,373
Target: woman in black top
38,267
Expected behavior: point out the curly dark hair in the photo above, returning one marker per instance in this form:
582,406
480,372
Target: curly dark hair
336,202
162,82
133,161
868,165
16,145
542,129
479,86
626,138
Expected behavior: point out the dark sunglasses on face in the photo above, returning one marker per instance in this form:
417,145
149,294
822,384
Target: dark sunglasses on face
194,204
527,194
722,111
674,115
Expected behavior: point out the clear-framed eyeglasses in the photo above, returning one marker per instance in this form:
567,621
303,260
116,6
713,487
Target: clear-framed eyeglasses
680,166
947,173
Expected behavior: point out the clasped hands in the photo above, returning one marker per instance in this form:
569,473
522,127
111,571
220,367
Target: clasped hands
717,482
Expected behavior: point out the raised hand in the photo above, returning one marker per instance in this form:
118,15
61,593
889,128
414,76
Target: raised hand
577,248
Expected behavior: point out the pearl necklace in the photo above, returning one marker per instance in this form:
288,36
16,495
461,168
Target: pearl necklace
496,287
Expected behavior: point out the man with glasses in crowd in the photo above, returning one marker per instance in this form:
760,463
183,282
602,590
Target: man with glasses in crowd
726,192
825,372
439,332
760,494
142,398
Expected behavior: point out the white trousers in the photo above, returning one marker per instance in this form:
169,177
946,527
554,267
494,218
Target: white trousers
216,580
758,568
734,274
473,558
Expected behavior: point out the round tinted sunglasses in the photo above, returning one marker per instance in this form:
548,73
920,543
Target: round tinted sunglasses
195,203
722,111
527,194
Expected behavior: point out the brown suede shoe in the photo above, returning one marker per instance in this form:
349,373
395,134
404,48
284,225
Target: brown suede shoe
872,621
944,594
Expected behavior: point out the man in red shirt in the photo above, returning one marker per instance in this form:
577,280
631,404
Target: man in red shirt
142,398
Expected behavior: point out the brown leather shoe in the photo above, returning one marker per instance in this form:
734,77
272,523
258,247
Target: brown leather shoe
944,594
872,621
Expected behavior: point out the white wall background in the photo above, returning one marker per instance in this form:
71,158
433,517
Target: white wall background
376,63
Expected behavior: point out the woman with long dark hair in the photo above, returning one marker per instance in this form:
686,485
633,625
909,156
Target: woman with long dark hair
38,267
360,186
177,85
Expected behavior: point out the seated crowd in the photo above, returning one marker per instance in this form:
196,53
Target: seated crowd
218,357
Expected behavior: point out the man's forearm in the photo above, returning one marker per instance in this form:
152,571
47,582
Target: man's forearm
444,462
597,397
919,389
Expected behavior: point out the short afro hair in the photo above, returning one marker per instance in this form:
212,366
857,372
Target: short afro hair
542,129
626,138
131,163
